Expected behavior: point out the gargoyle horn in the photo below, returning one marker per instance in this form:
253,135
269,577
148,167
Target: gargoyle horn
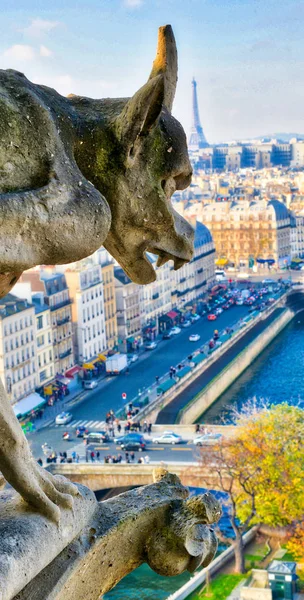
165,63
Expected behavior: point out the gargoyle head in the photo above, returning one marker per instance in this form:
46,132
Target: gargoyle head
156,163
150,146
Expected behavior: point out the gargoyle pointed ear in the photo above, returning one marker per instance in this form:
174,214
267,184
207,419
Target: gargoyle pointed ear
144,108
166,63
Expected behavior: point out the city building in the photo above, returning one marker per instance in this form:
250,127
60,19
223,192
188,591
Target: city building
249,233
106,262
57,298
192,279
129,311
155,298
84,281
44,340
18,357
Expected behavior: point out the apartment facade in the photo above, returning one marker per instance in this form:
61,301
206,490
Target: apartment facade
129,311
155,298
57,298
18,357
44,340
86,290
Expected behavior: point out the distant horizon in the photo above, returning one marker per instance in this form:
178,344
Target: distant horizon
246,56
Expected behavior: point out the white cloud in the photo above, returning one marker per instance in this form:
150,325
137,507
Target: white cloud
20,52
45,52
133,3
40,27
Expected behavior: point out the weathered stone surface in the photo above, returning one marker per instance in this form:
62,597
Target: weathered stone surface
156,524
29,541
76,173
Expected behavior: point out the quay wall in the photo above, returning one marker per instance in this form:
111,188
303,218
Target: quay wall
151,411
200,403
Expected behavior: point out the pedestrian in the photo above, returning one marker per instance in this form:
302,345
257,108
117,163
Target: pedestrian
157,379
119,427
74,456
149,428
127,456
65,455
98,455
92,456
77,458
197,428
147,459
132,456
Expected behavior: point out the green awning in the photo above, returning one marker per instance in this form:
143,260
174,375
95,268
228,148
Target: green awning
183,372
198,358
164,387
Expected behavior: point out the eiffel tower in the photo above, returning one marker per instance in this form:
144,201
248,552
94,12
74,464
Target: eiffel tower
197,138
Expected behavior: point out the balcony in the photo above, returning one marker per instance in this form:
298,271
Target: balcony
63,321
65,354
60,305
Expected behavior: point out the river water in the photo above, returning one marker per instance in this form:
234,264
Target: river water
275,376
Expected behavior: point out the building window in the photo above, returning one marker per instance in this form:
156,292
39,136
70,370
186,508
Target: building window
40,322
43,375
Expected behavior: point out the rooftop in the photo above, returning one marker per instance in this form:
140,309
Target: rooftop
10,305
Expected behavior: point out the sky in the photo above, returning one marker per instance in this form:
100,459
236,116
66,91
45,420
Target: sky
246,55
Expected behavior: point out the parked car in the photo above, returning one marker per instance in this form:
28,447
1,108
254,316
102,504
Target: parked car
268,281
211,317
167,335
207,439
63,418
175,330
186,324
90,385
132,358
239,302
194,318
150,346
81,431
133,446
97,437
168,438
129,437
218,311
194,337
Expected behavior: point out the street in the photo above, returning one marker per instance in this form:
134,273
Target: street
92,408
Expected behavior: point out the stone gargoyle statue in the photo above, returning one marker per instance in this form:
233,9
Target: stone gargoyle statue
75,174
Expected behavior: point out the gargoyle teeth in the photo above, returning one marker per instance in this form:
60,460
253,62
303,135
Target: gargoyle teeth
178,263
162,260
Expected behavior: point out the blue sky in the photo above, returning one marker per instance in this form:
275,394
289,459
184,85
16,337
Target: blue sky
247,55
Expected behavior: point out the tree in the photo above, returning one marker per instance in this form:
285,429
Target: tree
296,542
261,469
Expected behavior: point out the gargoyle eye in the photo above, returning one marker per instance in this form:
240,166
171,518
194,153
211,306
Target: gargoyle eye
163,184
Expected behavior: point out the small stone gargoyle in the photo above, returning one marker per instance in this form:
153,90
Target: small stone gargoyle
75,174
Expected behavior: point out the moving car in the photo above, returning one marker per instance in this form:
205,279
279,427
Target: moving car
186,324
212,317
133,446
90,385
194,318
63,418
132,358
97,437
150,346
175,330
207,439
81,431
168,438
268,281
129,437
194,337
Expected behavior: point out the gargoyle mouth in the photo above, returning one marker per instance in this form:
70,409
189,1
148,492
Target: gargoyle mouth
164,257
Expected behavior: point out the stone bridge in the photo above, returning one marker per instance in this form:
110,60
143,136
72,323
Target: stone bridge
295,298
104,476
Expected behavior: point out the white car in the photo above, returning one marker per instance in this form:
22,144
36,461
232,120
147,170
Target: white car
218,311
175,330
134,358
186,324
90,385
195,318
239,302
63,418
194,337
207,439
168,438
151,346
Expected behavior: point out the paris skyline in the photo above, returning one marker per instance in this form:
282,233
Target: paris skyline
246,56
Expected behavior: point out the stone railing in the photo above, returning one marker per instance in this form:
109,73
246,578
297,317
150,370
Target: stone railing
96,544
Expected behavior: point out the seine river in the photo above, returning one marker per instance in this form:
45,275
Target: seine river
275,376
